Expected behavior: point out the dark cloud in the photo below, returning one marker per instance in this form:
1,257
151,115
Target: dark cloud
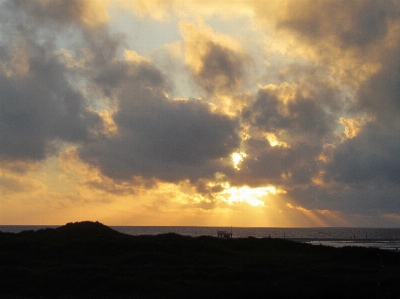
44,103
369,165
360,174
299,117
78,24
161,138
280,166
372,157
359,199
351,23
302,125
380,95
222,69
58,13
39,104
203,187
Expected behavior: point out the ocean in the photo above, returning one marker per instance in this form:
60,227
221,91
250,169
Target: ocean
384,238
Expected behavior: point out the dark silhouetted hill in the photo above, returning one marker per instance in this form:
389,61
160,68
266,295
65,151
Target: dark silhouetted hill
91,260
86,229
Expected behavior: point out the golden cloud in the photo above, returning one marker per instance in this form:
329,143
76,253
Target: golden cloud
218,65
110,128
198,41
132,56
331,34
352,126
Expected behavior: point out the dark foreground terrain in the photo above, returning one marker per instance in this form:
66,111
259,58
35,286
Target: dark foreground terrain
90,260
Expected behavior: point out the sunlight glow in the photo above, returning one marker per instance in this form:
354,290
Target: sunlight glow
252,196
312,216
246,194
334,216
289,205
237,158
273,140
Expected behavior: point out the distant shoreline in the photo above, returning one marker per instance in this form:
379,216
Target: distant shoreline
383,238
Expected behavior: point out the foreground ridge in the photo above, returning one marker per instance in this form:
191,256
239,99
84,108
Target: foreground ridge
90,260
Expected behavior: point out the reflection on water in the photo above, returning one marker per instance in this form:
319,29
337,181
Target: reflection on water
394,246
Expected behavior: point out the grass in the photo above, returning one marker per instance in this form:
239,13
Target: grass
90,260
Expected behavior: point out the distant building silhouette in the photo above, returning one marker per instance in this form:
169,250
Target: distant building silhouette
223,234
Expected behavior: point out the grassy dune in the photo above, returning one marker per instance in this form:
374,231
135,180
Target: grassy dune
90,260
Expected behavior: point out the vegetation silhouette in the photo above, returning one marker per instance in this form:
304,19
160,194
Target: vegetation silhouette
91,260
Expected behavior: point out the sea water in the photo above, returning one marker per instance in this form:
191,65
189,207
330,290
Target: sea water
330,236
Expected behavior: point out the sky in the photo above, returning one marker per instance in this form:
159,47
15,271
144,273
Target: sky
244,113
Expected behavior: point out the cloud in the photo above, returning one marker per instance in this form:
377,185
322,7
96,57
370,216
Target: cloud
149,134
346,37
315,114
379,95
40,108
40,104
363,199
371,155
44,90
288,127
361,170
351,23
367,163
89,180
217,62
159,137
299,115
352,126
89,13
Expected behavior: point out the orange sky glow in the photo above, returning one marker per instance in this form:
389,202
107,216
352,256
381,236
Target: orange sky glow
200,113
